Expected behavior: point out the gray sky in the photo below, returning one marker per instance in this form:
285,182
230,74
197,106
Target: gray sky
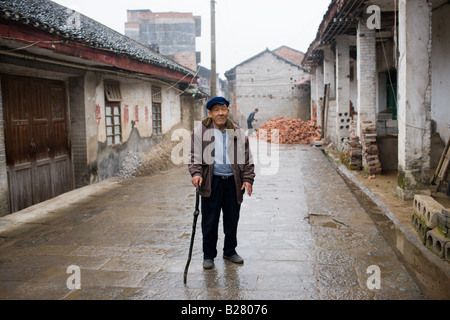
244,28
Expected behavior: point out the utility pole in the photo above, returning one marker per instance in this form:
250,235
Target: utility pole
213,78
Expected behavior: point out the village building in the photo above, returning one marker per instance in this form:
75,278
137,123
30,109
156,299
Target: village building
172,33
379,80
269,82
76,97
290,54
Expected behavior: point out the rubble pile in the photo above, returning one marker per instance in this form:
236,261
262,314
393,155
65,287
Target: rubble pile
130,165
290,131
370,151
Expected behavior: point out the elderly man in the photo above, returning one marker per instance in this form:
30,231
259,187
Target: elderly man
222,167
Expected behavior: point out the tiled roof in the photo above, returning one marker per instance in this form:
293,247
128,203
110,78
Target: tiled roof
59,20
232,71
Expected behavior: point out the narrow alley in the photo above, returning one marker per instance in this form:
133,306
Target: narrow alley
302,234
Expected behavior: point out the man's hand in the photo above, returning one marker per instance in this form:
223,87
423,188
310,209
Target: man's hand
197,181
249,187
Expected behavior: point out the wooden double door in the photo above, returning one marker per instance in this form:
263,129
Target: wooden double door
37,140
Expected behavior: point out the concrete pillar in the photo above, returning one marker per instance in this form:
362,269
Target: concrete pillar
342,89
314,97
329,76
414,97
320,92
366,74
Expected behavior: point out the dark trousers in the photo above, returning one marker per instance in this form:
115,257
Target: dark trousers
223,197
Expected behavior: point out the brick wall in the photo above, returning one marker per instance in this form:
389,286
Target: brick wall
367,74
78,132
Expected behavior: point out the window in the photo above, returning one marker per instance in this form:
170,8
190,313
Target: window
113,124
112,91
156,110
156,116
112,113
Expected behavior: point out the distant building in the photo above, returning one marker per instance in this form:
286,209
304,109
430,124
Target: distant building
271,83
290,54
173,33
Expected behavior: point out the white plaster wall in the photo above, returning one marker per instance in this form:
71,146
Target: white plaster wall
138,93
440,103
171,109
266,83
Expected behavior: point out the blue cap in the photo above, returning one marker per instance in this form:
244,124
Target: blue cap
217,100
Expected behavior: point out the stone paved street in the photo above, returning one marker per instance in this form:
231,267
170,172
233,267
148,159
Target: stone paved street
303,235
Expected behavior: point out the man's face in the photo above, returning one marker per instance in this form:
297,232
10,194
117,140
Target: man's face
219,115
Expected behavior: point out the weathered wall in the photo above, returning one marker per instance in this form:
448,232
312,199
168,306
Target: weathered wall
440,108
92,88
82,170
4,188
171,109
174,33
267,83
136,121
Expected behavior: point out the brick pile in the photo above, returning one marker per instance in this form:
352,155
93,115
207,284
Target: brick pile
370,151
291,131
353,153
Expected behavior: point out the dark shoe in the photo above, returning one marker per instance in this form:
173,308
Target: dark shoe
235,258
208,264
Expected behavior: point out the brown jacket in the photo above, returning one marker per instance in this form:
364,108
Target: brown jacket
202,156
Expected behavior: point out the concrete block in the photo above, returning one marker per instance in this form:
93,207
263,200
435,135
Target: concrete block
443,222
420,226
447,251
381,132
384,116
392,131
427,208
436,243
392,123
406,194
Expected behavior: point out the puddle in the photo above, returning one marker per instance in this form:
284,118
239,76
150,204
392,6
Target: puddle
331,224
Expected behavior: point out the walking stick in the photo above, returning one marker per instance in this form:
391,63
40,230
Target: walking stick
194,226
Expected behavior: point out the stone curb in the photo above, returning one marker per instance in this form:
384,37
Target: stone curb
420,262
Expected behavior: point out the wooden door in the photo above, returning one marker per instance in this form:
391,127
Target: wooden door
38,151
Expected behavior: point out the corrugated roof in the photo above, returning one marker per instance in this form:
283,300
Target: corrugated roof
57,19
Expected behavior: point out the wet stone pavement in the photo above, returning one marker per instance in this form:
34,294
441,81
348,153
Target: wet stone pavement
302,234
